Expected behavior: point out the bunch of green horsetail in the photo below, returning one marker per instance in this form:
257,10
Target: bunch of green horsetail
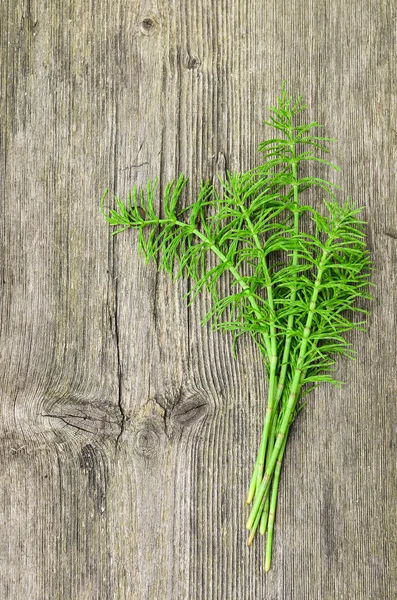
297,275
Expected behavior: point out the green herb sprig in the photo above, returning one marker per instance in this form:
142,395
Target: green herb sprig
297,310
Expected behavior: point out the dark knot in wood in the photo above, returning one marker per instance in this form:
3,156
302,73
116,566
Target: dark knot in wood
148,25
147,440
189,410
193,62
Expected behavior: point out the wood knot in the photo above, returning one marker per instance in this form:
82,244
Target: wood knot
163,416
148,25
147,439
193,62
189,410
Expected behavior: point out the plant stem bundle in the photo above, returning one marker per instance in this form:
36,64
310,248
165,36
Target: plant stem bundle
297,275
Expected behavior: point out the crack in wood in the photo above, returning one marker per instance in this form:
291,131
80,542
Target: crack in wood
119,374
134,166
62,418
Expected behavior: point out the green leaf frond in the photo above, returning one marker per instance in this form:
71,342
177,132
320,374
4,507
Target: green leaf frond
273,268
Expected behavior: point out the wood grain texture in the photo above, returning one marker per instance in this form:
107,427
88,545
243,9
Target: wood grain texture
128,432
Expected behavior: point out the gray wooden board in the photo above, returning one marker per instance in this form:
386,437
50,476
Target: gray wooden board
128,432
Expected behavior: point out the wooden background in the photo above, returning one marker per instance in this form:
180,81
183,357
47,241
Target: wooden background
128,432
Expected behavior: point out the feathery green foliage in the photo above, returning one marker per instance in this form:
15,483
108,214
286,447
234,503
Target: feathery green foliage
297,310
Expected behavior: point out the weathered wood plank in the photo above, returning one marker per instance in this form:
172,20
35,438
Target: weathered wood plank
128,432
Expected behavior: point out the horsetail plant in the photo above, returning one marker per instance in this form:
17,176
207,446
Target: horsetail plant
296,310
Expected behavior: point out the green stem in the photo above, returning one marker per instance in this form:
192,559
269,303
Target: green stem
274,395
261,517
257,520
273,505
260,462
264,517
292,399
290,322
265,513
253,483
265,505
273,370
